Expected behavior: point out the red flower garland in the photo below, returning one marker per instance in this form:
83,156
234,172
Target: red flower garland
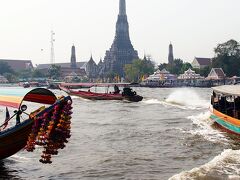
51,130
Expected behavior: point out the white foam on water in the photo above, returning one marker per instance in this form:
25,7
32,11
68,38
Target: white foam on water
204,128
18,158
80,98
226,165
74,97
164,103
152,101
187,98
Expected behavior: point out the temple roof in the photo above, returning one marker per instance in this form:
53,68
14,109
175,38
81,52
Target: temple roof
17,65
47,66
203,61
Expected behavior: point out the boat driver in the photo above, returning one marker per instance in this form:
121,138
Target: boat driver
116,89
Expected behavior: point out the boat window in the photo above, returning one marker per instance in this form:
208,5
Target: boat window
230,99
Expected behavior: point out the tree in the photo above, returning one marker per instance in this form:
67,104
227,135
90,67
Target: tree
54,71
178,66
229,48
111,75
185,67
227,57
5,68
25,74
203,72
139,68
163,66
10,77
38,74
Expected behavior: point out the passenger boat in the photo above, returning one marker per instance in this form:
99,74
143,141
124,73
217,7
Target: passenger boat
225,109
127,94
47,126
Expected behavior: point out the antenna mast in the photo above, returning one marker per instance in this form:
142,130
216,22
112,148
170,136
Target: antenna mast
52,56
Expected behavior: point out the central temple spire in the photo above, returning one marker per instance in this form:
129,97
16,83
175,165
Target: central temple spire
122,7
121,51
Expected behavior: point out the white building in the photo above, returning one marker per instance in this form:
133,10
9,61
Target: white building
161,75
216,74
190,74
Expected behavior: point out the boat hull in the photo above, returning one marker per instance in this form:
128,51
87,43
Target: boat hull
14,139
104,96
96,96
230,124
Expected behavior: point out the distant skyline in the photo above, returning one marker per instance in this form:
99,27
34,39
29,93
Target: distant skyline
194,28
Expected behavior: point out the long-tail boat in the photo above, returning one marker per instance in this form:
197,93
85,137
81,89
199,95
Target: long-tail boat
225,109
127,93
47,126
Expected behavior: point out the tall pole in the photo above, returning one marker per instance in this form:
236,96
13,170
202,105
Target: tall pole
52,55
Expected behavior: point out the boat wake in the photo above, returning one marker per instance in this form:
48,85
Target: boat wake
202,126
224,166
164,103
182,99
187,99
152,101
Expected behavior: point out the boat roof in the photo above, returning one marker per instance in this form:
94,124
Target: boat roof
95,84
13,97
233,90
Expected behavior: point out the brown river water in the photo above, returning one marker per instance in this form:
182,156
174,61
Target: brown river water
166,136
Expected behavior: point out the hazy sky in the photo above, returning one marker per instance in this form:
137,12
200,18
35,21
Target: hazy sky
194,27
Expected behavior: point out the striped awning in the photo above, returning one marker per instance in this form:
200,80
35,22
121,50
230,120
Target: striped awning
13,97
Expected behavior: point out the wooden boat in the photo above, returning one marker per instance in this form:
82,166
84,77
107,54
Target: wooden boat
225,109
15,138
127,94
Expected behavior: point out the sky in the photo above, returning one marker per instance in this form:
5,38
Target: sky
194,27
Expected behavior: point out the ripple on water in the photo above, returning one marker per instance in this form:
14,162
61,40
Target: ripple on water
224,166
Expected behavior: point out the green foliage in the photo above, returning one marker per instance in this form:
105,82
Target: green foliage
5,68
178,67
37,74
55,72
137,69
163,66
227,57
185,67
25,74
203,72
229,48
12,78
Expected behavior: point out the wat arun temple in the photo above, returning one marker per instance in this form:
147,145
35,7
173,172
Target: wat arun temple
121,51
120,54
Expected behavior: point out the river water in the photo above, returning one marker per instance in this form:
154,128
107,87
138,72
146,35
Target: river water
166,136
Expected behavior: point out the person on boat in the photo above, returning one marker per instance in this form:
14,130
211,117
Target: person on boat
116,89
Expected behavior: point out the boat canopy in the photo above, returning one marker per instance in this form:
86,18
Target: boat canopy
95,84
15,97
233,90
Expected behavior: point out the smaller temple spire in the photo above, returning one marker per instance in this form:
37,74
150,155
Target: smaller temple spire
91,58
73,58
170,54
122,7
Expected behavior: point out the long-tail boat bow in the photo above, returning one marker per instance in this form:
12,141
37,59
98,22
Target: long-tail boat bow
47,126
